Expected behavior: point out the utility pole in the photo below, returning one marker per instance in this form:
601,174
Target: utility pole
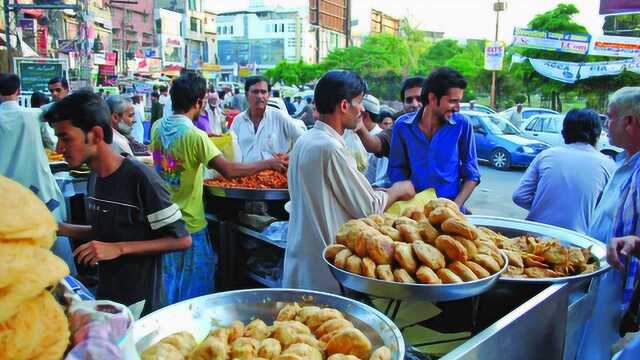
7,18
498,6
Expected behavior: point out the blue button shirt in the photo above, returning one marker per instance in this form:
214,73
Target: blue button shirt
441,163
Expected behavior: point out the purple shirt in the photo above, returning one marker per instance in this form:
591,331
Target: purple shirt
203,123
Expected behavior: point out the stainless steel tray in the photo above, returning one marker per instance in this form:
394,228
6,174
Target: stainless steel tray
515,227
400,291
247,194
200,314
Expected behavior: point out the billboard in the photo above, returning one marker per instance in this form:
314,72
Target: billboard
608,7
493,55
244,52
172,50
544,40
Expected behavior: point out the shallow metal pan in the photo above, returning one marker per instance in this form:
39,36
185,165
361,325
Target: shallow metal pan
247,194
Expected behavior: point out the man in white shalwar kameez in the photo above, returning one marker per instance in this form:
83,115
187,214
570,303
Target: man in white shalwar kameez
325,185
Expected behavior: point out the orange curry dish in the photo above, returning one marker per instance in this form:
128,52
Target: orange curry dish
265,179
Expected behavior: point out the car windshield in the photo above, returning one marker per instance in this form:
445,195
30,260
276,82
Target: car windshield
499,126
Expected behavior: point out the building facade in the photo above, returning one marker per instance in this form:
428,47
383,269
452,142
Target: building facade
330,24
169,36
210,32
372,21
192,29
133,30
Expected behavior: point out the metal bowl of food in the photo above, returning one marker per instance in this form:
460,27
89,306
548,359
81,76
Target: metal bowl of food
247,193
514,228
200,314
404,291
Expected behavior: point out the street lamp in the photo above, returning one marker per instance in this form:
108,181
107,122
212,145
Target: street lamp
498,6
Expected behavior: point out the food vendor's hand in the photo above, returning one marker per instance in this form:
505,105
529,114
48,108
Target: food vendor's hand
406,190
283,156
94,251
625,246
278,164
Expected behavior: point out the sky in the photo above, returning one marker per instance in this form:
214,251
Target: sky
459,19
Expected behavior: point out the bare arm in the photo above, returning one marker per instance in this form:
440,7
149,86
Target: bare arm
230,169
77,232
465,192
371,143
94,251
402,190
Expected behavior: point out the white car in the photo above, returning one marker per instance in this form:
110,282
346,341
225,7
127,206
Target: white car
527,112
548,129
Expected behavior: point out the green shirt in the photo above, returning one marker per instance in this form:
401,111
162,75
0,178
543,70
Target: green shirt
181,167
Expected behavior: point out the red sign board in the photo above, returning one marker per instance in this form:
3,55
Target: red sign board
42,40
111,58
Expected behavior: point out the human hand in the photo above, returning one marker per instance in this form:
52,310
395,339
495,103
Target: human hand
405,190
625,246
278,163
94,251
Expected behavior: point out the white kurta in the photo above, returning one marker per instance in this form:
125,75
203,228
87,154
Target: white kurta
326,191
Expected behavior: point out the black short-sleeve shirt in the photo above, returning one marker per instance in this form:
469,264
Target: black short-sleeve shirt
132,205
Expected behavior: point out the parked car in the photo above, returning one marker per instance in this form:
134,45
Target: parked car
476,107
501,143
527,112
548,129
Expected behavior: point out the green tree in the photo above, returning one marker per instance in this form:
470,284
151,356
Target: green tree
294,74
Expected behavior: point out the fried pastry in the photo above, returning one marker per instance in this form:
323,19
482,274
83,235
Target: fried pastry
480,272
269,348
305,351
258,330
221,333
451,247
535,262
403,253
342,357
350,341
288,312
332,250
377,219
306,312
440,215
536,272
390,232
428,232
487,262
428,255
331,326
319,318
341,258
308,340
448,277
409,233
514,270
440,202
380,249
462,271
404,220
286,332
212,348
383,272
402,276
426,276
244,348
470,246
354,265
389,219
514,258
347,232
236,330
381,353
455,226
289,357
415,213
368,268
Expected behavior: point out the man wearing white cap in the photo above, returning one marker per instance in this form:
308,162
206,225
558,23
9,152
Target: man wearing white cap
377,170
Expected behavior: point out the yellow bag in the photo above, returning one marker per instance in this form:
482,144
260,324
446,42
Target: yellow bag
420,200
227,143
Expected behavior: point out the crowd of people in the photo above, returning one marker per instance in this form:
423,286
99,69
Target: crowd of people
147,229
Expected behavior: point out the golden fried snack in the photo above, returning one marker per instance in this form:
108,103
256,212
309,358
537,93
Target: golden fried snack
402,276
404,220
236,330
403,253
350,341
428,232
38,327
24,272
480,272
462,271
409,233
308,340
487,262
534,261
441,202
380,249
289,357
162,351
319,318
383,272
536,272
415,213
221,333
389,219
342,357
470,246
448,277
390,232
288,312
429,255
341,258
24,218
361,241
514,270
441,214
514,258
183,342
354,265
305,351
487,249
377,219
349,232
305,313
368,268
369,222
286,332
331,326
381,353
244,348
426,276
455,226
269,348
332,250
451,247
258,330
326,337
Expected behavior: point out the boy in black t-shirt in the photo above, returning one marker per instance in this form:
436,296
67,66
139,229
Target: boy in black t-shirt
132,219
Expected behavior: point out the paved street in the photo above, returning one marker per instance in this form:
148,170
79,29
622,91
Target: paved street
493,195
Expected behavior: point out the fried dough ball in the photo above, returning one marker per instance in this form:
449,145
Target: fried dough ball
383,272
306,312
258,330
342,357
381,353
480,272
269,348
414,213
402,276
361,241
289,357
451,247
377,219
455,226
441,214
332,250
162,351
440,202
286,332
350,341
183,341
331,326
390,232
212,348
221,333
448,277
349,231
409,233
470,246
244,348
514,270
426,276
354,264
462,271
404,220
389,219
288,312
403,253
236,330
535,272
308,340
368,268
305,351
487,262
319,318
341,258
429,255
380,249
428,232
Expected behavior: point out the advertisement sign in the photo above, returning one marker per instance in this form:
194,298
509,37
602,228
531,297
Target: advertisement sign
172,50
28,27
111,58
210,67
99,59
608,7
151,52
143,65
66,46
155,66
35,73
42,40
244,52
563,71
107,75
493,55
619,46
544,40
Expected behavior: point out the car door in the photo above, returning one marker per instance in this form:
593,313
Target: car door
482,137
550,131
533,128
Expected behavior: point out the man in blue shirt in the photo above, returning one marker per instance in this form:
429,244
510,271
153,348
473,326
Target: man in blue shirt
436,148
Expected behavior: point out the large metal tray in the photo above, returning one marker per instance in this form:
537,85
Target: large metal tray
247,194
200,314
400,291
515,227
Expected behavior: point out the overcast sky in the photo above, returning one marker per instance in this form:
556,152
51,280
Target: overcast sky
460,19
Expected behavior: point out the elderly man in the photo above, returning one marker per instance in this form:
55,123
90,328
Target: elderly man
122,121
615,216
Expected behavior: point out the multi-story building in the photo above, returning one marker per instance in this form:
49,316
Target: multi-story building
132,29
191,26
210,32
368,20
331,24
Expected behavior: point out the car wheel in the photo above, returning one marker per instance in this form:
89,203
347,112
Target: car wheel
500,159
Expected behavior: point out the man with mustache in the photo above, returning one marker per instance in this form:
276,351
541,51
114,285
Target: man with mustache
263,131
436,148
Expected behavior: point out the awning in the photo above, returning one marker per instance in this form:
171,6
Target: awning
27,51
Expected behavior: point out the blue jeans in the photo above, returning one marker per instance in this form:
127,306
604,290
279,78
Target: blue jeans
190,273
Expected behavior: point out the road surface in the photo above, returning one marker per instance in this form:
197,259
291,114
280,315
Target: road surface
493,195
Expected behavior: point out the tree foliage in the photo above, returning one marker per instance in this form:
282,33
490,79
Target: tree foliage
294,74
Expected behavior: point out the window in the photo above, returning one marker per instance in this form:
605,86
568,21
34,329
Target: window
128,16
231,29
291,27
552,125
281,27
291,42
275,27
535,125
145,17
218,29
158,26
193,24
192,5
224,30
477,124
